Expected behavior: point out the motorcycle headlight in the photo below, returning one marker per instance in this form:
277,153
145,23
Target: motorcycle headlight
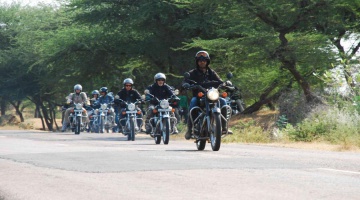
103,106
131,107
213,94
78,106
164,104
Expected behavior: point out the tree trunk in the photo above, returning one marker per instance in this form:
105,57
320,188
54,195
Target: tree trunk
3,107
16,105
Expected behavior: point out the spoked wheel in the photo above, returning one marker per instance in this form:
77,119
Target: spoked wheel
200,144
215,132
166,130
77,125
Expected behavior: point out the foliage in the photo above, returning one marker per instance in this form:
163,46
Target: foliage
337,126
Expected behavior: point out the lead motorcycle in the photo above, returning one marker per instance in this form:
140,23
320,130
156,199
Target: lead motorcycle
133,121
77,123
206,117
160,123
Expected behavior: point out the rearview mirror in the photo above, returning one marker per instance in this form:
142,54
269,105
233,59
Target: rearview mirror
186,75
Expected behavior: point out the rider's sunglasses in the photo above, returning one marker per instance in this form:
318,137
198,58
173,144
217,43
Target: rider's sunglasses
202,58
161,80
127,85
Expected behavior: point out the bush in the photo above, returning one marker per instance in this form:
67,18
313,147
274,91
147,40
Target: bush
331,124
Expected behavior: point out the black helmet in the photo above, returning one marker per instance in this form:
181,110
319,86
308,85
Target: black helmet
128,81
159,76
202,55
104,89
95,92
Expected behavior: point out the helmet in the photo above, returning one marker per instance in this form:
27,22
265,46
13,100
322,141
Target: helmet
202,55
128,81
159,76
77,87
104,89
95,92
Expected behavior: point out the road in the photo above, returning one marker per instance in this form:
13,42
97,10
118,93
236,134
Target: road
45,165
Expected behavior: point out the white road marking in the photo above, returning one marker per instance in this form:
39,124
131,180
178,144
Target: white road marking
337,170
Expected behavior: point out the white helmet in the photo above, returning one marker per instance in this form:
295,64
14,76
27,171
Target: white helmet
77,87
128,81
159,76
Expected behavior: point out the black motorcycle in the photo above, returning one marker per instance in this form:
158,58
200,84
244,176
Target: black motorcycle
207,116
132,123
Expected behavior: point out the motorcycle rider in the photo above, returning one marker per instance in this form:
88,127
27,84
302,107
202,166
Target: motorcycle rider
127,94
107,98
160,90
95,96
77,97
203,73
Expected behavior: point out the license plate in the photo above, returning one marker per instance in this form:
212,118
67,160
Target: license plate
131,111
164,110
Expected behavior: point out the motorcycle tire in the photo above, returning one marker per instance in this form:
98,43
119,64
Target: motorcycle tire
215,132
166,131
200,145
77,125
240,105
131,135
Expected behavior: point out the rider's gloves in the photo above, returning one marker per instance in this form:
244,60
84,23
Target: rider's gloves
228,83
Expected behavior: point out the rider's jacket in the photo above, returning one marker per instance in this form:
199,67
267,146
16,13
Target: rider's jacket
200,77
104,99
160,92
79,98
128,96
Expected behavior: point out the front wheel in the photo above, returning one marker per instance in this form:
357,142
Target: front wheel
77,125
166,130
102,124
131,135
215,132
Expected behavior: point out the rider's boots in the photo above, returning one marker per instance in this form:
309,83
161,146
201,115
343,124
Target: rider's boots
189,129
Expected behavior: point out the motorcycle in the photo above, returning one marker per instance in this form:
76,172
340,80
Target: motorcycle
133,121
102,121
206,117
233,98
160,123
77,123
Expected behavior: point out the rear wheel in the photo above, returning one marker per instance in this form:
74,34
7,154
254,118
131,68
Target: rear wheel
157,136
215,131
200,144
166,130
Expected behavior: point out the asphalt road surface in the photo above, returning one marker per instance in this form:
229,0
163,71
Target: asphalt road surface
45,165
